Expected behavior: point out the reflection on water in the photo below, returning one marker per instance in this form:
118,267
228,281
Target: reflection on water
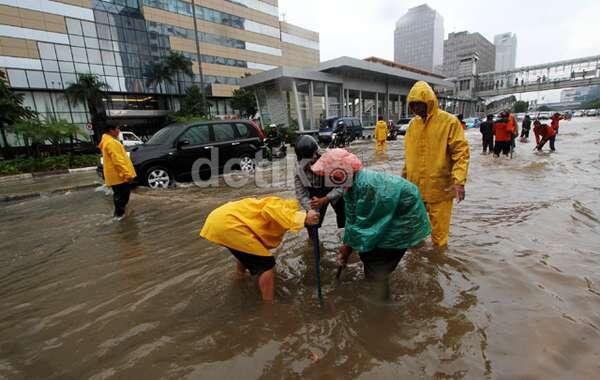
516,296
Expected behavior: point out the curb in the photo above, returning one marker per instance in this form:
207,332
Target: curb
39,194
15,177
18,177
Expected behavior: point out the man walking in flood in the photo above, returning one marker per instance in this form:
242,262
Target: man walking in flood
555,123
436,159
544,133
503,133
118,169
525,129
487,134
381,133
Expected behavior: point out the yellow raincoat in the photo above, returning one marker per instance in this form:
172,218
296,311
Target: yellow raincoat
253,226
381,132
436,157
117,166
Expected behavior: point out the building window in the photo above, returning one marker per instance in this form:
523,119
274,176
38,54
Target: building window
17,78
74,27
46,50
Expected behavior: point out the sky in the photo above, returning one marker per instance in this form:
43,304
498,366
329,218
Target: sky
547,30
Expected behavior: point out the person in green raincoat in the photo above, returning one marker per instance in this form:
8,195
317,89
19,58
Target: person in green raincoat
385,214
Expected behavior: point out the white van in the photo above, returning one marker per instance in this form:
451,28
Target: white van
129,139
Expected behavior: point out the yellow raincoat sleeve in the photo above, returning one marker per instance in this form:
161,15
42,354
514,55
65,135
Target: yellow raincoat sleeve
284,214
120,161
459,153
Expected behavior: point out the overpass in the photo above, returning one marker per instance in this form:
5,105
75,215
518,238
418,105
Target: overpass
578,72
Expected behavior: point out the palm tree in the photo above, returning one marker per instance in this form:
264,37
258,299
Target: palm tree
90,90
157,74
179,64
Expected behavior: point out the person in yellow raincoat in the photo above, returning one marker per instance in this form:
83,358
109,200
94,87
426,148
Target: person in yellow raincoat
436,159
381,132
251,227
117,169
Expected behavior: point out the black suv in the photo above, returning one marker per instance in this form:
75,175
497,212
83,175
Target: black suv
329,125
170,154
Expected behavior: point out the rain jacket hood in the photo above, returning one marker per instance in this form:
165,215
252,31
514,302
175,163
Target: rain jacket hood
252,225
436,150
422,92
117,166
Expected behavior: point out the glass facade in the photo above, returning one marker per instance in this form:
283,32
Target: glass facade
211,15
113,40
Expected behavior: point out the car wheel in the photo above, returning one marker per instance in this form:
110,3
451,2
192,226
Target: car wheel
158,177
247,164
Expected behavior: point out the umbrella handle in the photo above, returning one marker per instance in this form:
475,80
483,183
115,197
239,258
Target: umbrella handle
317,255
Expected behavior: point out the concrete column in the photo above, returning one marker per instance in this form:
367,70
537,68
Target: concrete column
326,101
297,102
376,105
258,108
346,102
387,102
311,93
360,106
342,100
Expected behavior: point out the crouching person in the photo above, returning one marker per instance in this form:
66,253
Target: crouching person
385,214
250,227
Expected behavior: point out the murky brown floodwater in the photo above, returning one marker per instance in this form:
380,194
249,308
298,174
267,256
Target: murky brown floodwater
516,296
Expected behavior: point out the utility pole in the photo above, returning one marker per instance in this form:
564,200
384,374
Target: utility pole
199,57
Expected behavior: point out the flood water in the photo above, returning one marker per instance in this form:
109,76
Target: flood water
517,295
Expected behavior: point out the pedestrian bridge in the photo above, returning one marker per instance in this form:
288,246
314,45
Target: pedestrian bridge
549,76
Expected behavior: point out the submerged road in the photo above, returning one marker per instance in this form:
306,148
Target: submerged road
517,295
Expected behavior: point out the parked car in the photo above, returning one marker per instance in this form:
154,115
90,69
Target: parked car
172,151
129,139
472,122
544,116
591,113
403,126
327,127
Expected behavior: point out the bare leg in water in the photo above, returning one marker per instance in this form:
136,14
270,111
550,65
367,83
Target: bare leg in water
266,283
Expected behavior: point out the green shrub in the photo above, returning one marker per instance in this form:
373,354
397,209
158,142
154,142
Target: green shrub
47,164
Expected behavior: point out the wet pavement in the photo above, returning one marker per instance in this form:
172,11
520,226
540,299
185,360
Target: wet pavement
517,295
45,185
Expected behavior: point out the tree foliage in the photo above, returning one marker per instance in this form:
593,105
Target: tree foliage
593,104
35,132
90,90
244,101
11,111
193,103
158,73
520,106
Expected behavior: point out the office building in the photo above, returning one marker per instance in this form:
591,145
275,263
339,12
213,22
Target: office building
419,39
464,44
580,95
44,45
506,51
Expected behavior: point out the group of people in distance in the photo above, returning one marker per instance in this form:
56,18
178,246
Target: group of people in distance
383,215
498,136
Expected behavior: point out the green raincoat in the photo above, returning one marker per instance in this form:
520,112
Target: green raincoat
384,211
